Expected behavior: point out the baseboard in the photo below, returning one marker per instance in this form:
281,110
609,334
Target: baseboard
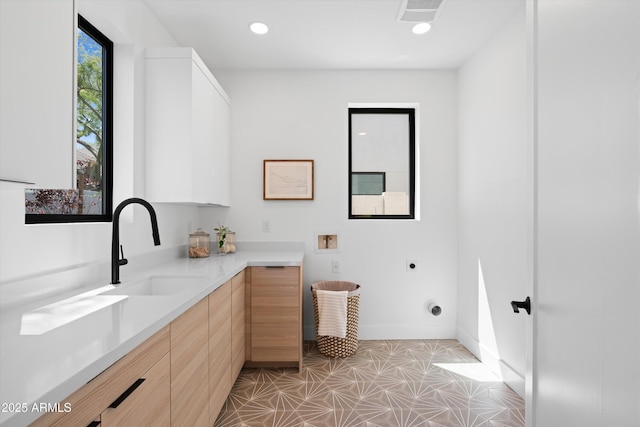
512,378
395,332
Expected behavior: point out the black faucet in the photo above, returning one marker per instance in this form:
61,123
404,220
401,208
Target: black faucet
116,262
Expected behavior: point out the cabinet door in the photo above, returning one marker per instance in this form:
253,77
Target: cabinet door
221,166
237,324
168,130
275,314
36,83
189,367
219,349
148,404
187,130
203,152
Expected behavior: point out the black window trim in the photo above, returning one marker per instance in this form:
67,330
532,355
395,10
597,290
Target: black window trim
411,112
107,140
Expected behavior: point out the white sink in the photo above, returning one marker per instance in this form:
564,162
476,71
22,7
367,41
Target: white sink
158,286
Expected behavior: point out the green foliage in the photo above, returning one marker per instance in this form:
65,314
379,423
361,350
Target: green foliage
89,110
221,231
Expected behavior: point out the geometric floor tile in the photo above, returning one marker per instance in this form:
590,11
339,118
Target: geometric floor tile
387,383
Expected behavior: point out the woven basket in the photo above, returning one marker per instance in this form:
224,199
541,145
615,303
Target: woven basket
336,346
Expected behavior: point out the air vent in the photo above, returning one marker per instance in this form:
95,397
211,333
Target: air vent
419,10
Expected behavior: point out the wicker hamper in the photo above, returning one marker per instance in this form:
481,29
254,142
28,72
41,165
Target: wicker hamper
336,346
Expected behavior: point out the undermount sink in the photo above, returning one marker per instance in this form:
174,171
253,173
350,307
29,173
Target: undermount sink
158,286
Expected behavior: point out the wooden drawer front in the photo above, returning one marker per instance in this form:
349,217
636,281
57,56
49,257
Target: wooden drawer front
274,275
237,324
149,404
275,296
274,343
275,314
189,367
93,398
219,349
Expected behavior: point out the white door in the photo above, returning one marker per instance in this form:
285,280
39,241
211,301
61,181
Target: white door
584,369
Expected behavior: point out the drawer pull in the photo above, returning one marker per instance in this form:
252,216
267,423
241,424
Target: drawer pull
94,424
274,266
126,394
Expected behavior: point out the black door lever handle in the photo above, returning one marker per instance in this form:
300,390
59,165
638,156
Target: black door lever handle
526,304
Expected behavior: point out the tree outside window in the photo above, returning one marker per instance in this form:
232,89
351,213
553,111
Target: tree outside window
91,199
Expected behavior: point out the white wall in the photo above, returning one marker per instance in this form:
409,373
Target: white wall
27,251
494,200
303,115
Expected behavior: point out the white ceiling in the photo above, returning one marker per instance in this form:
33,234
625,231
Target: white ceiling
329,34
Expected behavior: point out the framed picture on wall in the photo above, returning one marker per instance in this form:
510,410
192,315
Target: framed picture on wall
287,180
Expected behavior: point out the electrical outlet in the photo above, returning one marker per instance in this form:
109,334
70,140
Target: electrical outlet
266,226
335,266
412,265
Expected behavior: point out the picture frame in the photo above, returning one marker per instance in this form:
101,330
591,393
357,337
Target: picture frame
287,180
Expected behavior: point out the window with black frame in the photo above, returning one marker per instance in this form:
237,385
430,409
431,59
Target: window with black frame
382,163
91,199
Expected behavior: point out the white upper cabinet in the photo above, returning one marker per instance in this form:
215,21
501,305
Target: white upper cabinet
37,46
187,130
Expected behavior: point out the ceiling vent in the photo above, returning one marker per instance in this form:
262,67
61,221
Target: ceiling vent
419,10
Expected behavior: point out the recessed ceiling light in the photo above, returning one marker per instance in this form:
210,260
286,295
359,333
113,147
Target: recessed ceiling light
258,27
421,28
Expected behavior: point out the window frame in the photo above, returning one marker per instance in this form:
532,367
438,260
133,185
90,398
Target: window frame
107,135
411,113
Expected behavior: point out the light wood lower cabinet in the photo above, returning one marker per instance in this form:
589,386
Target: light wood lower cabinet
238,292
276,316
147,361
190,367
226,341
182,375
220,380
148,404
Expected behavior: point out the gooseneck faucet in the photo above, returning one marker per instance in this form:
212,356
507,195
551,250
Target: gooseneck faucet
116,262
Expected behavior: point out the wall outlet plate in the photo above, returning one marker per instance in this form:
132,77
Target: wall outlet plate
335,266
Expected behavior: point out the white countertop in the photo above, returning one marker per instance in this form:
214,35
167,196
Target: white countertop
50,348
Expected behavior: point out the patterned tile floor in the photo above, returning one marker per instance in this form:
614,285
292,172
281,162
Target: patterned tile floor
407,383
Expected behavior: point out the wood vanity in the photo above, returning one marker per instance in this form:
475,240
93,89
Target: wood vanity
274,316
182,375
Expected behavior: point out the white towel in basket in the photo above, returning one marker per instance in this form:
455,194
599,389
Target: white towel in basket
332,313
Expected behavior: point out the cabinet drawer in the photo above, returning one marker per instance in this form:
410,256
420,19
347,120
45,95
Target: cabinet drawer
274,275
275,296
147,405
273,289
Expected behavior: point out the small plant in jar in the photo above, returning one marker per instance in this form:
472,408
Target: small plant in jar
221,232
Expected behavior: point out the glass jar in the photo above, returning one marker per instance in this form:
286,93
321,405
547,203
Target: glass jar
221,243
226,242
199,244
231,242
